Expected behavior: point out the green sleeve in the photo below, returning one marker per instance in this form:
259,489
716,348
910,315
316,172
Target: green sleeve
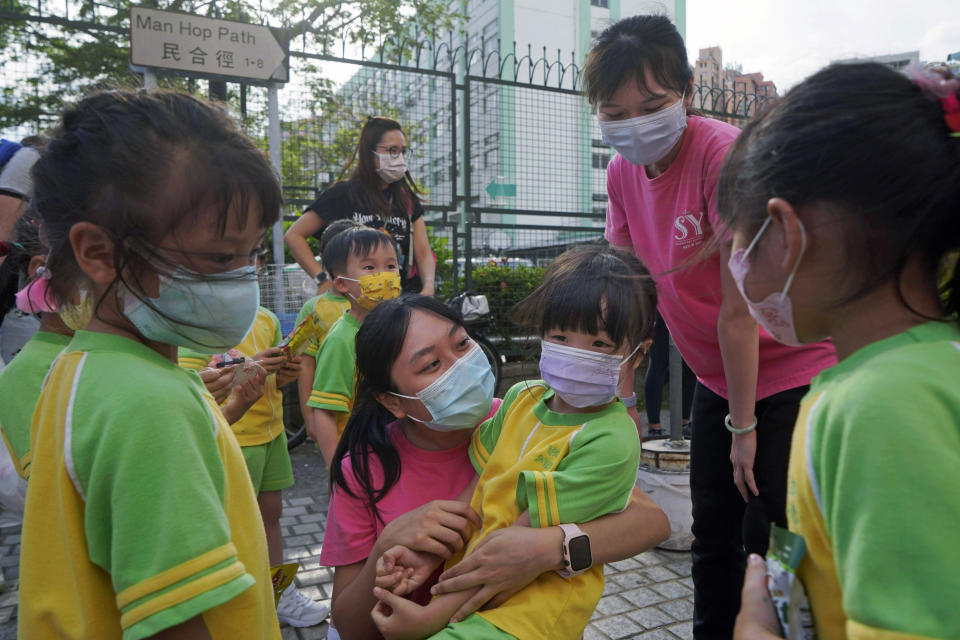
153,486
886,462
333,383
596,477
485,436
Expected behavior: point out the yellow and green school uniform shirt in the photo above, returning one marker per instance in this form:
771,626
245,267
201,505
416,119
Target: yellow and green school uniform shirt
562,467
334,381
264,420
140,514
20,383
328,307
873,489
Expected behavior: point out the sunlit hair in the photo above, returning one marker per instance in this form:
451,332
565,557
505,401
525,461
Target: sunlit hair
139,165
589,289
865,141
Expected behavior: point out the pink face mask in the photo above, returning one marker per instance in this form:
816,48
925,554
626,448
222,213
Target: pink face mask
34,298
775,312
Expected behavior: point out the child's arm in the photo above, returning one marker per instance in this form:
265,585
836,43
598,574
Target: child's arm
322,427
401,619
308,369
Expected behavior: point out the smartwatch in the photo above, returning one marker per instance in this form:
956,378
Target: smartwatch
576,551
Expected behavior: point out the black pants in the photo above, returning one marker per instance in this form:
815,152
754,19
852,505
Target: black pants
658,365
725,528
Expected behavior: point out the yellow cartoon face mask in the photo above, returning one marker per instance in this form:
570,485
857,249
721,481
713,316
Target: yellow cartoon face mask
375,288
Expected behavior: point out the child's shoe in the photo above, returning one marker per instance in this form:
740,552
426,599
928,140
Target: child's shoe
297,610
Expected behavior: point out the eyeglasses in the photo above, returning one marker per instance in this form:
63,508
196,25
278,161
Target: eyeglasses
395,152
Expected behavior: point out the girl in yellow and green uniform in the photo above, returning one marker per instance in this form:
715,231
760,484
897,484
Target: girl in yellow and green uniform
141,520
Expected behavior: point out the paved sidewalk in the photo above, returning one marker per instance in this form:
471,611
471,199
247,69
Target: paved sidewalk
649,596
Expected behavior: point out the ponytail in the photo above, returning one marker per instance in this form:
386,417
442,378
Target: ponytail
365,436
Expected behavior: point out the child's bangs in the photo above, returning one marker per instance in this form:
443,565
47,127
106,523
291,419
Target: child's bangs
363,242
228,186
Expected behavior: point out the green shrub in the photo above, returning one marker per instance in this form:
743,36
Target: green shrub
504,287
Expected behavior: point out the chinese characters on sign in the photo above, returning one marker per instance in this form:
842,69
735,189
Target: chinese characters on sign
187,42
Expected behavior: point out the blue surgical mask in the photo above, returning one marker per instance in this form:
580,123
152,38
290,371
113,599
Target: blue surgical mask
646,139
205,313
461,397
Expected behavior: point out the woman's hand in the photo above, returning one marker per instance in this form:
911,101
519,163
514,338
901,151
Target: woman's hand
757,619
743,451
503,563
441,527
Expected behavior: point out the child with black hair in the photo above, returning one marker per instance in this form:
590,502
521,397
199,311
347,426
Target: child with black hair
364,266
558,451
326,308
140,519
22,378
844,201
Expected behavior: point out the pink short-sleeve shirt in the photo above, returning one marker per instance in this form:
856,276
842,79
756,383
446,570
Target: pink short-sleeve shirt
669,221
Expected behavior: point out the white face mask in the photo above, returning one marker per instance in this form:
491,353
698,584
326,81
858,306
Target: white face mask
775,312
391,169
646,139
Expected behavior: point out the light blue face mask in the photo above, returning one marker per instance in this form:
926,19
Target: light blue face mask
461,397
206,313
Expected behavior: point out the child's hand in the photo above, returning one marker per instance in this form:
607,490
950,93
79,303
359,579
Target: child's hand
289,372
271,359
400,619
402,570
245,394
218,382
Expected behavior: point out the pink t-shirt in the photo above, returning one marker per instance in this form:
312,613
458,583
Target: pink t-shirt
669,220
353,528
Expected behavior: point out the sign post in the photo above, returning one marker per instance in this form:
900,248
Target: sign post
224,49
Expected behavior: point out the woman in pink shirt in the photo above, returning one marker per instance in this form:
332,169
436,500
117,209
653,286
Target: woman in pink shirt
662,206
397,473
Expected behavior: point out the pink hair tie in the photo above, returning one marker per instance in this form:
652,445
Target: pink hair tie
951,113
942,85
35,297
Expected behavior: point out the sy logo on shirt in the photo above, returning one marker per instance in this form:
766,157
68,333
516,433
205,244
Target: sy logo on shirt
688,229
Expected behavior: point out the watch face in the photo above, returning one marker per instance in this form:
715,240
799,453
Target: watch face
580,557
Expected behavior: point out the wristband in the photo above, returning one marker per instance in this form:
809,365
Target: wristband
732,429
321,277
629,401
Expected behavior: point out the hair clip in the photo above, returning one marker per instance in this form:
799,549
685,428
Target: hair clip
6,248
938,82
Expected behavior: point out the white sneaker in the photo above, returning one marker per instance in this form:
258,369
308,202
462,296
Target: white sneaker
297,610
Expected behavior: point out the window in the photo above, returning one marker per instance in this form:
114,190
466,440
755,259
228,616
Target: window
601,160
603,4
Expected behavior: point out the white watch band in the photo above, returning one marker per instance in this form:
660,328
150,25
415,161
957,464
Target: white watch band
572,534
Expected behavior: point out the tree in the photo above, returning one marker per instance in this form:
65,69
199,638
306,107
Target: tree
82,44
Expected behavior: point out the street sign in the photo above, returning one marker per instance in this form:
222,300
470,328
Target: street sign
208,46
501,190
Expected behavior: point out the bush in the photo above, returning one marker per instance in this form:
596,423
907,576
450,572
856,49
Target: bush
504,287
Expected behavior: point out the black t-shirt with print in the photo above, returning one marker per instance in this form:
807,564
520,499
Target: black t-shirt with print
339,202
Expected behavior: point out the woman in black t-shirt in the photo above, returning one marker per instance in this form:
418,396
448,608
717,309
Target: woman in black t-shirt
381,194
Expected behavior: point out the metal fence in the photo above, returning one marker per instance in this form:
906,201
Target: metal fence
503,142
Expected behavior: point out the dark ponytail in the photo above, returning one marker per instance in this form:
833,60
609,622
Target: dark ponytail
379,342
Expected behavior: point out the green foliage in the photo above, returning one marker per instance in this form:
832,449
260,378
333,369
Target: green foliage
504,288
90,48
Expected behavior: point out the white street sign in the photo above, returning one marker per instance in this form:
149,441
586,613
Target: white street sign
191,43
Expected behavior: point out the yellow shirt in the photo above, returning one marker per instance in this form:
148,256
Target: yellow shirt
140,514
